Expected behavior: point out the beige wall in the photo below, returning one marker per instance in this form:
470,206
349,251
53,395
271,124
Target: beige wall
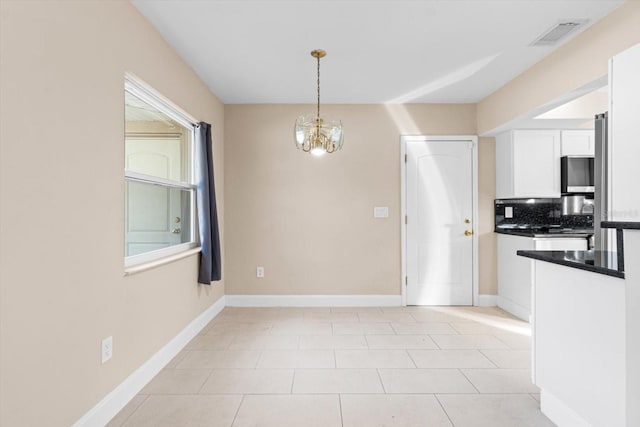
487,250
62,287
570,67
309,221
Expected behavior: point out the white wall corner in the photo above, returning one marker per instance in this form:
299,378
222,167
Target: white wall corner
113,402
486,300
314,300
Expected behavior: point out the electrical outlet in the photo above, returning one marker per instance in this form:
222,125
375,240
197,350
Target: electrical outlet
508,212
107,349
260,272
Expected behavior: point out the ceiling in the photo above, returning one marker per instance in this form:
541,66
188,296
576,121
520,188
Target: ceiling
257,51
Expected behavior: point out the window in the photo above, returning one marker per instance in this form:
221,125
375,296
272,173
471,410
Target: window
159,177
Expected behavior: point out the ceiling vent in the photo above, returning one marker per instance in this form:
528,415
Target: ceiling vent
558,32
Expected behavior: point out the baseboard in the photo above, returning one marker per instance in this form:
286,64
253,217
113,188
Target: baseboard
113,402
513,308
558,412
486,300
313,300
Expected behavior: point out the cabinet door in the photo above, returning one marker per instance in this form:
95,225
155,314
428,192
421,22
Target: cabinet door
578,143
536,163
514,275
560,244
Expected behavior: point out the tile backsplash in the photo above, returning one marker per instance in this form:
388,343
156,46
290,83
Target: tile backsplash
537,213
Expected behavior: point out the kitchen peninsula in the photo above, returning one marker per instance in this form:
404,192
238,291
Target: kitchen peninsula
586,304
586,333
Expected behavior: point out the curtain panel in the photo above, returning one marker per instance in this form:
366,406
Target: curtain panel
210,266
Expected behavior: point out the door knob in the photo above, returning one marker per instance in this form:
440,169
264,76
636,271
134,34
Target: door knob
468,232
176,231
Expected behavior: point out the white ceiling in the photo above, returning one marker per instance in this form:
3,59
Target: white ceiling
252,51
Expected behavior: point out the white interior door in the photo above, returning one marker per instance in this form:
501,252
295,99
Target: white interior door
154,217
439,206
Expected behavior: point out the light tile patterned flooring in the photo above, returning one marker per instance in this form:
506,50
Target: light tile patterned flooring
395,366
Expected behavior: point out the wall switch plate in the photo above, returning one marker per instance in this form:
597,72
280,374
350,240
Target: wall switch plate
508,212
260,272
381,212
107,349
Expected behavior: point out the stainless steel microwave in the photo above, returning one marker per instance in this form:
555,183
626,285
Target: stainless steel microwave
577,174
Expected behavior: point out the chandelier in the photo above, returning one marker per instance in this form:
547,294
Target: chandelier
312,133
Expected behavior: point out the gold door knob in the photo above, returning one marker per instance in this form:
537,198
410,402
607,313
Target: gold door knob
468,232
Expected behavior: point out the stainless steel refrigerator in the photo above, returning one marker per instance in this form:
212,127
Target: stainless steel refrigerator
602,239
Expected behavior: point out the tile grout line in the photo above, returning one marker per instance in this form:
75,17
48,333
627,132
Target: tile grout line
205,381
488,358
255,367
395,331
411,357
470,382
454,328
435,342
341,414
443,409
238,410
380,379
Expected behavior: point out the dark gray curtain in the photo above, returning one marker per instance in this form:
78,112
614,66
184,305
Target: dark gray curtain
210,267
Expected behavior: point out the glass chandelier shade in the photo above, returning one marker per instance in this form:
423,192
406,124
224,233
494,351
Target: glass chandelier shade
314,135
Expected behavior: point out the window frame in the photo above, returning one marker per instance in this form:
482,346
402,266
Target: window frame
140,262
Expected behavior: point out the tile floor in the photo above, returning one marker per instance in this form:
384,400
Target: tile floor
395,366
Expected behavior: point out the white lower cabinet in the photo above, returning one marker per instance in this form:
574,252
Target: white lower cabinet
579,346
514,272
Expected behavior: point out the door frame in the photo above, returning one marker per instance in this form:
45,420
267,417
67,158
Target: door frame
408,139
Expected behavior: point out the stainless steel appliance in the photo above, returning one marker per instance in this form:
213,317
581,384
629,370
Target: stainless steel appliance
601,201
577,205
577,174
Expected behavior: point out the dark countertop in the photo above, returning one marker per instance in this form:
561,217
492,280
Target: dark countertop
535,233
628,225
595,261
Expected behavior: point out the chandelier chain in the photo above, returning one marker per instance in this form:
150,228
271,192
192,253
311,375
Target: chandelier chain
318,87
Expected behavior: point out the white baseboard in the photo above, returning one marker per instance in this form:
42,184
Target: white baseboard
313,300
113,402
486,300
558,412
513,308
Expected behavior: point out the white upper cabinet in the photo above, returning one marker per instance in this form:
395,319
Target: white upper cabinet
528,164
578,143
